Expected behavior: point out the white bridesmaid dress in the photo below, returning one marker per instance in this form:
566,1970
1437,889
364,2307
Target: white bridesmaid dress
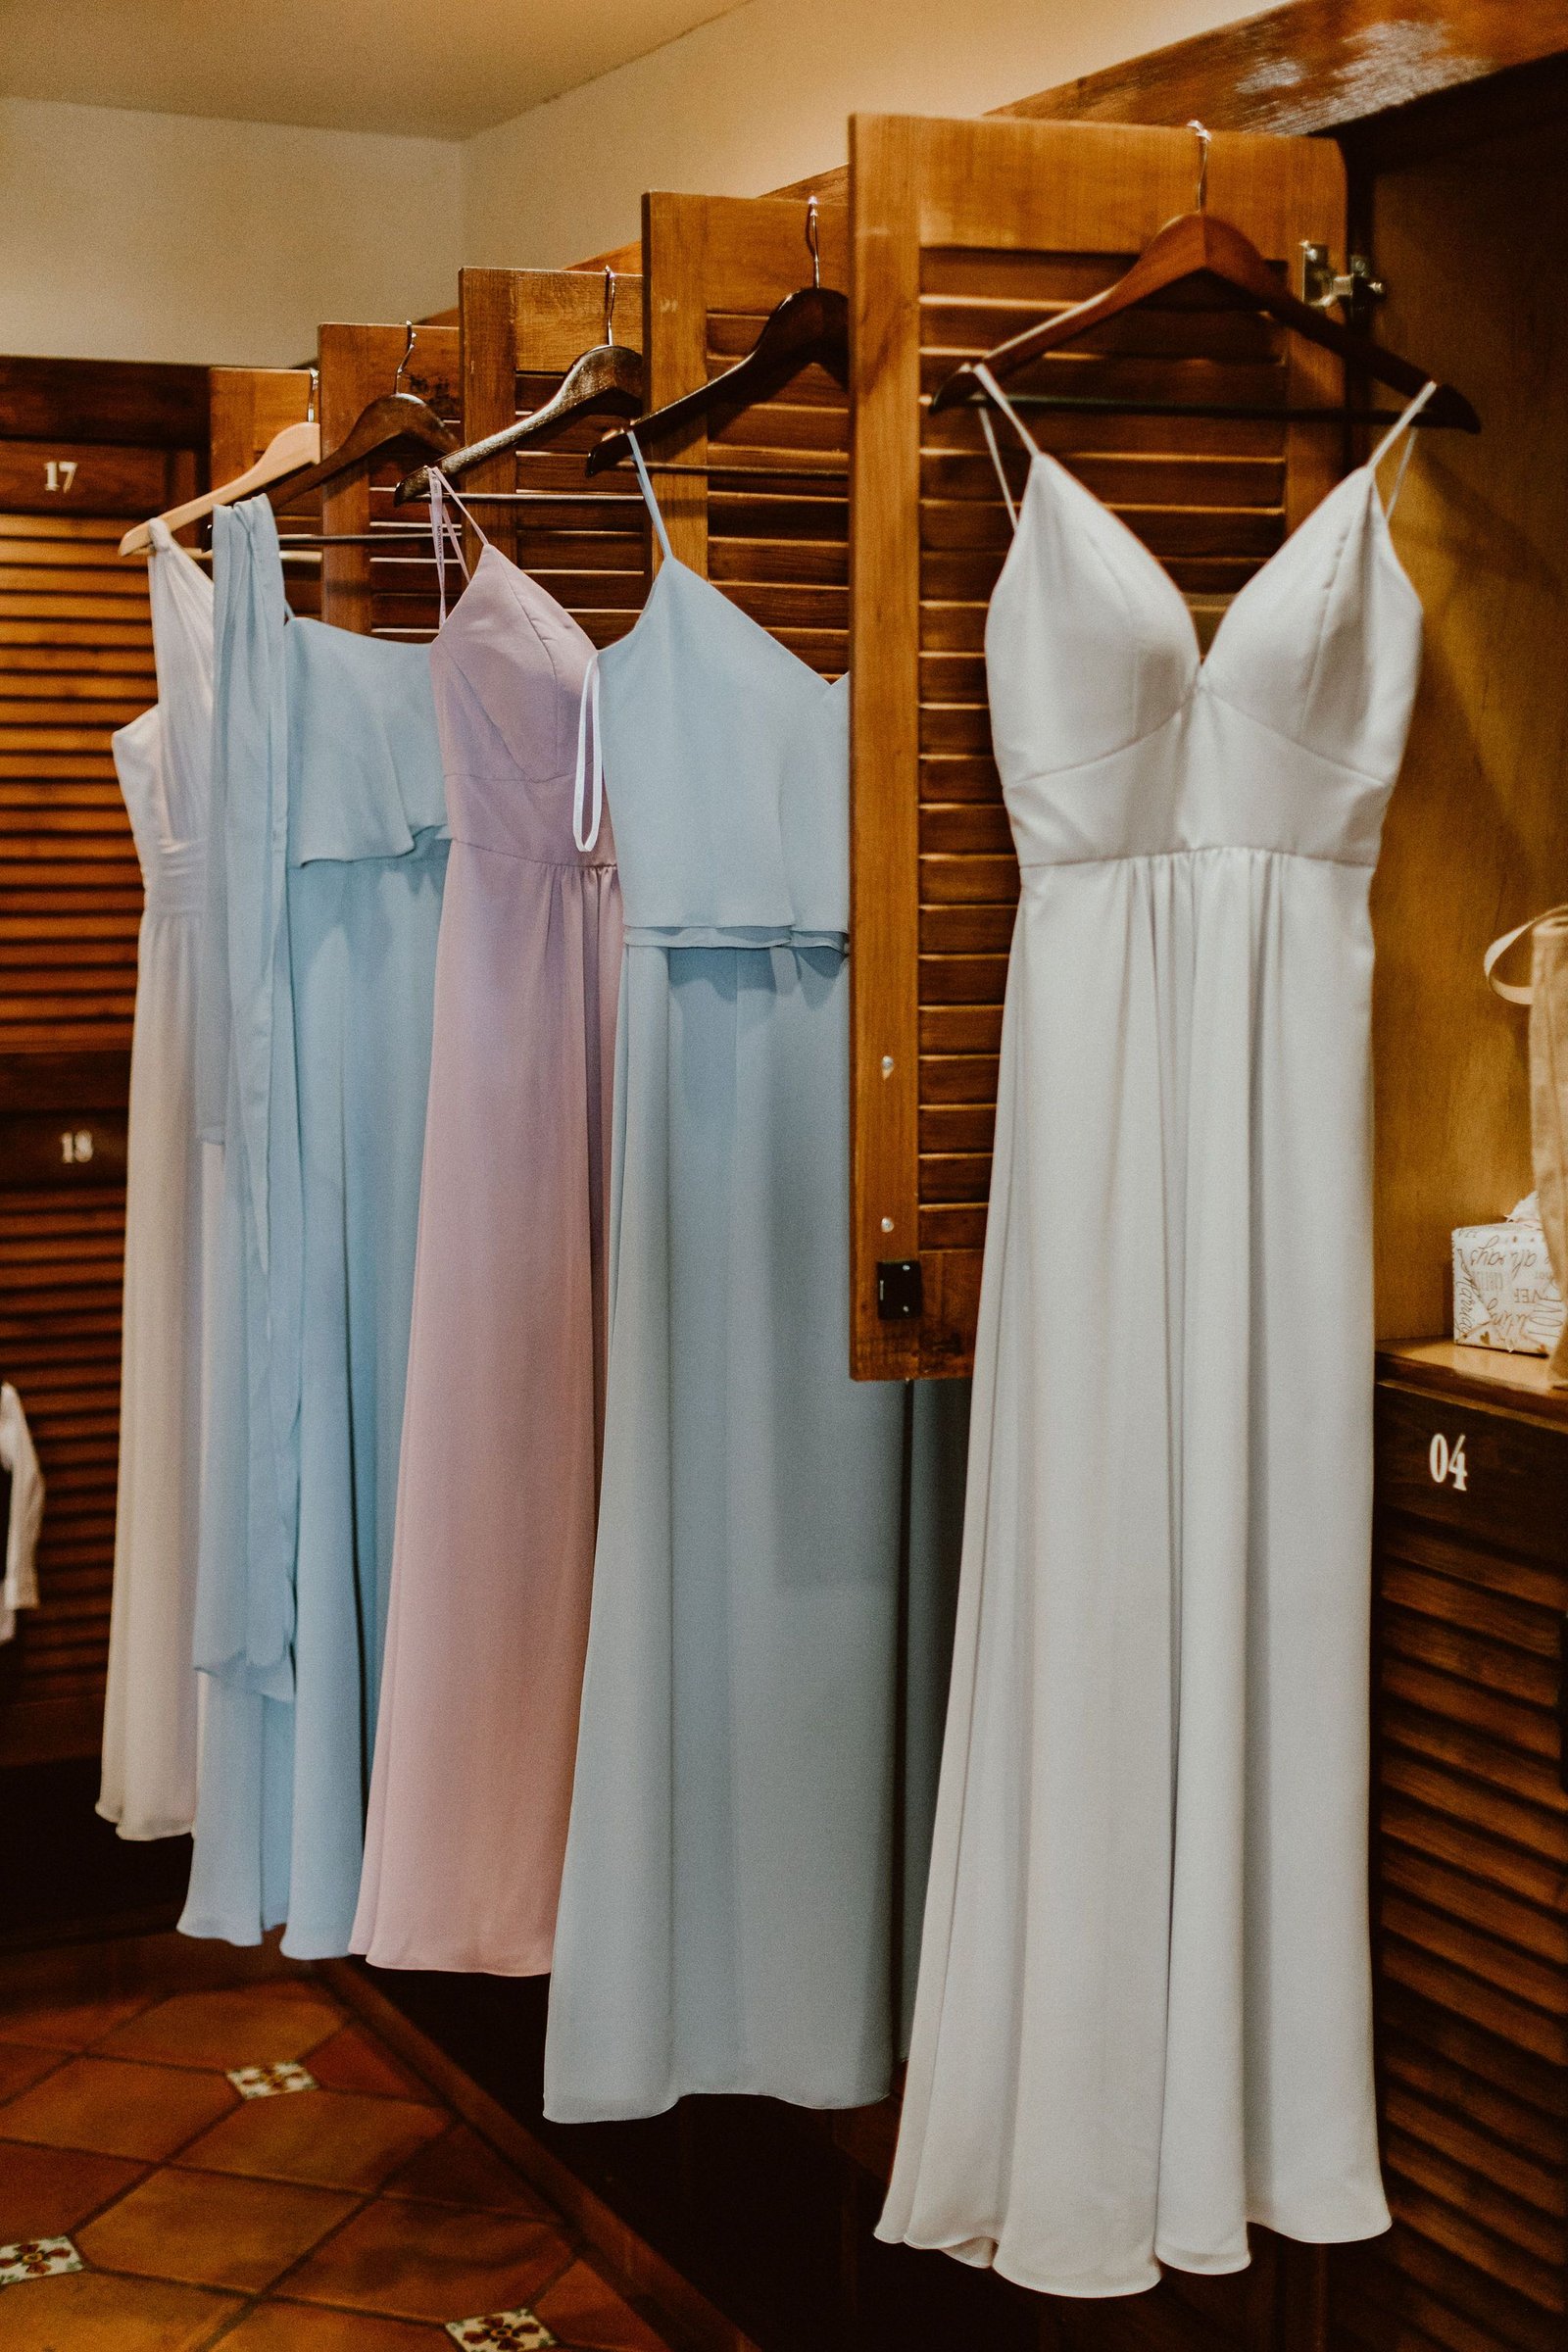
1143,2007
164,762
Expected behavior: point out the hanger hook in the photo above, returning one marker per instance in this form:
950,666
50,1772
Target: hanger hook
310,396
609,303
1204,134
408,350
812,240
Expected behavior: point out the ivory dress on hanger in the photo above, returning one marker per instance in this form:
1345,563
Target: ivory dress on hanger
313,1060
164,762
726,1911
1144,2010
505,1408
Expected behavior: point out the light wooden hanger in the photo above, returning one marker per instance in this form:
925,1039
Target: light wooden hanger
610,375
296,446
1197,243
809,327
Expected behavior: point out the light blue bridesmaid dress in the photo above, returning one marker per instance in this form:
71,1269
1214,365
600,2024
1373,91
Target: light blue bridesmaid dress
726,1916
314,1055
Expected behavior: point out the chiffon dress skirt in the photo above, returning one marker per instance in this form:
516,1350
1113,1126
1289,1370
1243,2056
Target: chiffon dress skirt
1144,2009
493,1561
726,1907
317,989
163,762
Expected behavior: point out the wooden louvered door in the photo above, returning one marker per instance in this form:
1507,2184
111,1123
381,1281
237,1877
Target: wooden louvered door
771,538
1470,1850
383,587
249,405
520,330
85,450
963,233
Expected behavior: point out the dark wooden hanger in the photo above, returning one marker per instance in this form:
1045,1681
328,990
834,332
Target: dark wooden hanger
397,424
609,376
811,327
1197,243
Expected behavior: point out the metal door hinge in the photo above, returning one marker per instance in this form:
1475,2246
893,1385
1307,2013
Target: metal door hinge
1358,288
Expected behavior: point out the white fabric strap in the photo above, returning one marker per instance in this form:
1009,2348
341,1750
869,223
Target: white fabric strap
648,493
983,375
585,840
443,528
990,433
1400,424
1498,949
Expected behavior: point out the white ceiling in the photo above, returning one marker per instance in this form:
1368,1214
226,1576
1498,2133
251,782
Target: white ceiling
444,70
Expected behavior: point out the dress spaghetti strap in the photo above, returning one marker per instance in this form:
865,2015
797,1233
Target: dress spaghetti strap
585,828
984,376
443,528
1401,425
653,503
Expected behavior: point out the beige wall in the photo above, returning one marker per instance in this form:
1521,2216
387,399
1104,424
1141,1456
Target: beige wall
760,97
135,236
145,237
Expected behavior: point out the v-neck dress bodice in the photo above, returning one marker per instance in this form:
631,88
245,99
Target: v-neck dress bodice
503,1415
726,1903
1144,2008
1114,739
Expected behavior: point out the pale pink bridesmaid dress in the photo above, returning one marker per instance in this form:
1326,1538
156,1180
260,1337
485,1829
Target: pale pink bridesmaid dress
498,1476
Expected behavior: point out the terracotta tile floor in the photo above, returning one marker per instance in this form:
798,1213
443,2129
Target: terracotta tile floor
360,2216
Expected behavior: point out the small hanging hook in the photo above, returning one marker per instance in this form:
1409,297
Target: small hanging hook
812,240
408,350
609,303
309,397
1204,134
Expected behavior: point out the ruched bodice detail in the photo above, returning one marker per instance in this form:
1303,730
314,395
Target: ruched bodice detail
1114,739
726,760
508,669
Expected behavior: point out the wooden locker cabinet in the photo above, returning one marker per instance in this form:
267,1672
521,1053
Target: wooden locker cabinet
84,449
1470,1861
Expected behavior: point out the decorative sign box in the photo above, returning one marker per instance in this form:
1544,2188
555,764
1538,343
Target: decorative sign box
1504,1292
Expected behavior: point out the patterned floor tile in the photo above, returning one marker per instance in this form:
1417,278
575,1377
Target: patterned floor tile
520,2330
253,2024
66,2025
459,2169
333,2139
30,2258
115,2109
44,2192
18,2067
431,2262
208,2230
352,2060
89,2313
277,2325
586,2313
272,2081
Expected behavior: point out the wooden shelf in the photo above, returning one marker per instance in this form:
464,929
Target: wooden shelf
1485,1375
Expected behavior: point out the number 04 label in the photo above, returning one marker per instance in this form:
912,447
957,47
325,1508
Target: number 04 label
1447,1464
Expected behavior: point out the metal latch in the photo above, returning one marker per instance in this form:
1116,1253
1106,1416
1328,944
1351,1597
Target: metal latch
1321,286
900,1292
